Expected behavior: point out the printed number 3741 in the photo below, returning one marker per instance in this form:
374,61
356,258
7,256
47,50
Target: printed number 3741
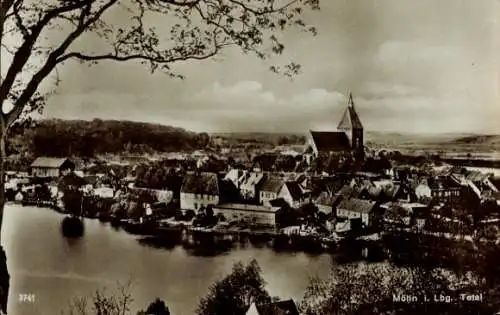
27,298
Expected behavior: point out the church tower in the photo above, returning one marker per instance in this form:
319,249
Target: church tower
351,125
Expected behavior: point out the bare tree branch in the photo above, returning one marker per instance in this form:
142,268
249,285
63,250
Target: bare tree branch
24,52
223,23
50,64
19,20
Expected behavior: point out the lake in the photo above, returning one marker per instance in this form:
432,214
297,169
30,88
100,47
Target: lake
54,270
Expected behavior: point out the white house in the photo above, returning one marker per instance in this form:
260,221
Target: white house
236,176
271,187
354,208
199,189
251,185
259,215
423,190
51,167
324,202
292,193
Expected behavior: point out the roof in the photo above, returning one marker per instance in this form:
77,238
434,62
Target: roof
272,184
475,176
253,178
246,207
325,199
286,307
392,190
496,182
350,120
200,183
49,162
91,179
279,202
443,183
294,189
388,188
330,141
357,205
346,192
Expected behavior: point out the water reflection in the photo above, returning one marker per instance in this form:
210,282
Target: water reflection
57,269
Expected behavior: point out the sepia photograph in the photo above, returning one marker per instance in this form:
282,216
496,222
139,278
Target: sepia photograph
249,157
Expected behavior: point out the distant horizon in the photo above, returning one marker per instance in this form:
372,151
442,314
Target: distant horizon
298,132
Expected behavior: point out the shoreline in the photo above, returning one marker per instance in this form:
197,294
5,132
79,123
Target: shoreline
215,240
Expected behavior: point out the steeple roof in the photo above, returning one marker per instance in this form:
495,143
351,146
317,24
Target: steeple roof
350,120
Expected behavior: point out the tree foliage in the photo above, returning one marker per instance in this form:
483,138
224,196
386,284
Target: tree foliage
89,138
233,294
157,307
40,36
370,289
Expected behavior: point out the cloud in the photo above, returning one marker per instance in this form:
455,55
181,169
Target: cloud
401,53
248,105
384,89
411,65
252,98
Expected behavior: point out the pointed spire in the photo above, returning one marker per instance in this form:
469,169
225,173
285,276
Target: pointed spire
350,120
350,103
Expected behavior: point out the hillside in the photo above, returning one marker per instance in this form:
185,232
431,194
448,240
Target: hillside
55,137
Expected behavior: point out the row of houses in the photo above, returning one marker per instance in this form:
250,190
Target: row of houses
360,197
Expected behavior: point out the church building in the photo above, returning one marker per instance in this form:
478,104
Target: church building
347,139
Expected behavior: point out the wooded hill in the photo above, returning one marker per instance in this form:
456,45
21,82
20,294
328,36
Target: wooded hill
56,137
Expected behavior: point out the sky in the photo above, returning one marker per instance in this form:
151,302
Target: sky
413,66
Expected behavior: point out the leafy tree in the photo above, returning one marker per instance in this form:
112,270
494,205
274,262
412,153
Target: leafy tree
209,211
157,307
283,140
286,216
221,217
233,294
203,139
369,289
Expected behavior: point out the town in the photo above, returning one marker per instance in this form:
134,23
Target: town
333,188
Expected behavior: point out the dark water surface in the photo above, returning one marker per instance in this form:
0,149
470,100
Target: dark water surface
54,270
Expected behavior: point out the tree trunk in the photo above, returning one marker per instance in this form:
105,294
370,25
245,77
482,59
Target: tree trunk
4,274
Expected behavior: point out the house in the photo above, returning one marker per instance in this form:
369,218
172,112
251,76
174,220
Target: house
347,138
480,183
303,181
236,176
397,214
271,187
199,189
346,192
51,167
402,173
228,192
255,214
251,185
386,190
422,190
324,202
286,307
292,193
356,209
445,189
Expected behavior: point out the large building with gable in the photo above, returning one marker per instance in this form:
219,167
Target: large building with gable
347,139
